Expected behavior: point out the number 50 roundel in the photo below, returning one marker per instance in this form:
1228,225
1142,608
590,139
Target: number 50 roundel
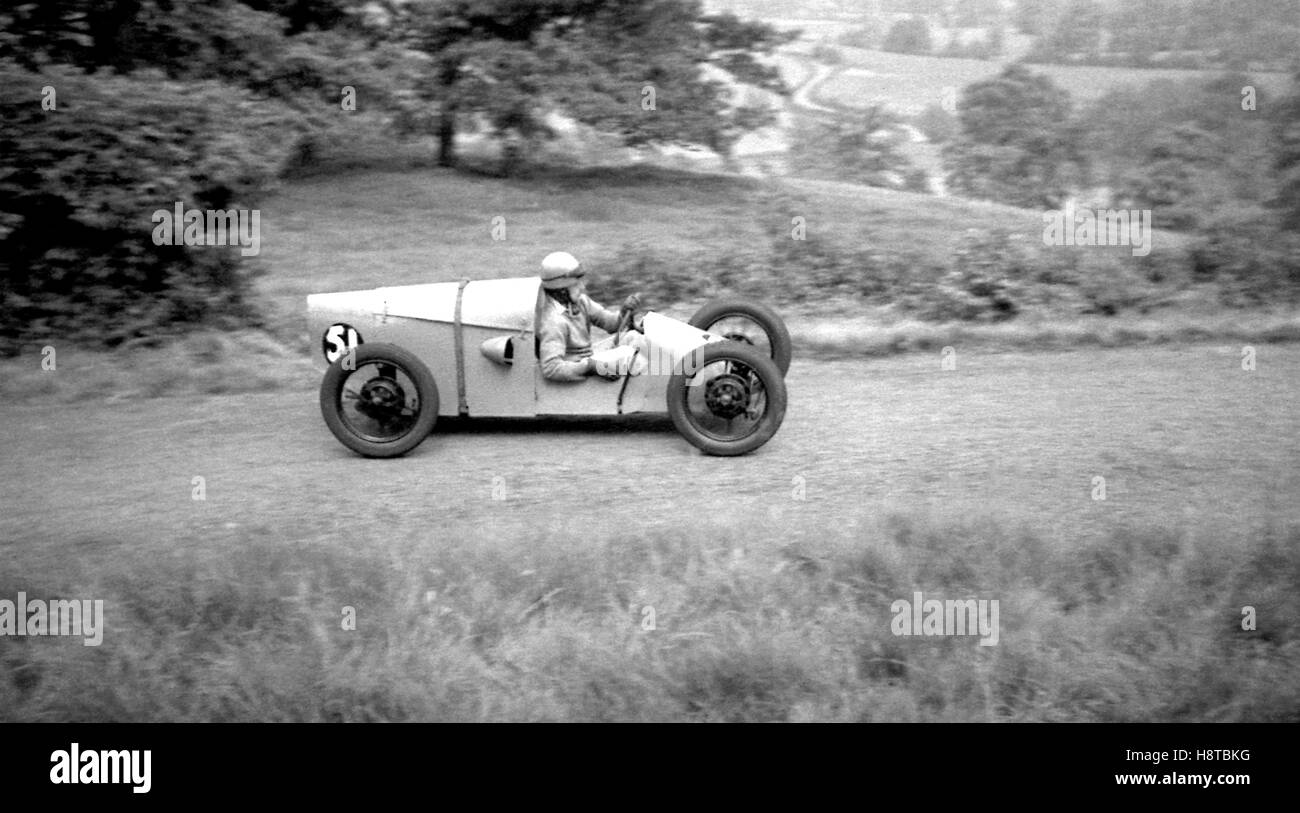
339,338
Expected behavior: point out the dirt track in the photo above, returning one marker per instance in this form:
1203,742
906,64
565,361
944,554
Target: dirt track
1020,434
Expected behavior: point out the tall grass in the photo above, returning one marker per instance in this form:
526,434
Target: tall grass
1143,624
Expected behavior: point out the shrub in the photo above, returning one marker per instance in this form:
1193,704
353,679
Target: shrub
1249,255
937,124
863,148
993,275
909,36
80,186
826,53
860,37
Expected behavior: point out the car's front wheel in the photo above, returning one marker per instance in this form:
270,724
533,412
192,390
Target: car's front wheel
748,322
728,400
379,400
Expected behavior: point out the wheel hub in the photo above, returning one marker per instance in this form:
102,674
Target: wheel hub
727,395
381,398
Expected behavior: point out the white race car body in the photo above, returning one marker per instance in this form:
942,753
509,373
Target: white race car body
479,340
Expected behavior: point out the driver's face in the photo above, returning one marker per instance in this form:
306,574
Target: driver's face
575,286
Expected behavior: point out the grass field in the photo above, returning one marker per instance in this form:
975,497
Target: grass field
460,624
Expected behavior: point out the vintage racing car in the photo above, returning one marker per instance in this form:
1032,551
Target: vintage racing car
400,357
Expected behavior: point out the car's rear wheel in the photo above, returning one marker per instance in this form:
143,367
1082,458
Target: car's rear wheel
748,322
728,400
379,400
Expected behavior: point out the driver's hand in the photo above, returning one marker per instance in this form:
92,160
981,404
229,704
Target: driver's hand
591,370
632,303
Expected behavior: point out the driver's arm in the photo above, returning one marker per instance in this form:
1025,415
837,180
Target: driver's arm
600,315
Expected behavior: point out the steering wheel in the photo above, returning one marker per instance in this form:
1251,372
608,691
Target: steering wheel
625,317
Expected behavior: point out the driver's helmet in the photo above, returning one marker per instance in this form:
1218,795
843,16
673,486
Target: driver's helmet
559,270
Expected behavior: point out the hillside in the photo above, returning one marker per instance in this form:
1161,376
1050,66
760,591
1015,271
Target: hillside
362,230
377,227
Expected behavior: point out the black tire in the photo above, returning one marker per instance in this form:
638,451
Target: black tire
744,368
778,336
412,432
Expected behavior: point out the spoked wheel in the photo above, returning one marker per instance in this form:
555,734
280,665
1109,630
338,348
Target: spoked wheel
751,323
384,406
729,400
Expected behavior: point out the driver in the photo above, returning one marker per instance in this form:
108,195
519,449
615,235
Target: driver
565,319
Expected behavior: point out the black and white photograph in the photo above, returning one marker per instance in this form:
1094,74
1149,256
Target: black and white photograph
651,361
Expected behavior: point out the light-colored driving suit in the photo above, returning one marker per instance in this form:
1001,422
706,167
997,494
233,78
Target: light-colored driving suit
564,333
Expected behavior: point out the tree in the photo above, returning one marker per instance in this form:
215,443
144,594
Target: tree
937,124
862,148
1076,31
1286,127
975,13
1016,145
652,71
1172,178
302,61
1035,17
1136,32
1184,145
179,38
909,36
997,41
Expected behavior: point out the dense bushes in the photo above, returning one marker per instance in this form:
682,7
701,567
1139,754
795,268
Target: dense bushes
159,104
991,275
1253,260
82,181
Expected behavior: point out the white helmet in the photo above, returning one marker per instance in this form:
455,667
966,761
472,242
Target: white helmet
558,267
